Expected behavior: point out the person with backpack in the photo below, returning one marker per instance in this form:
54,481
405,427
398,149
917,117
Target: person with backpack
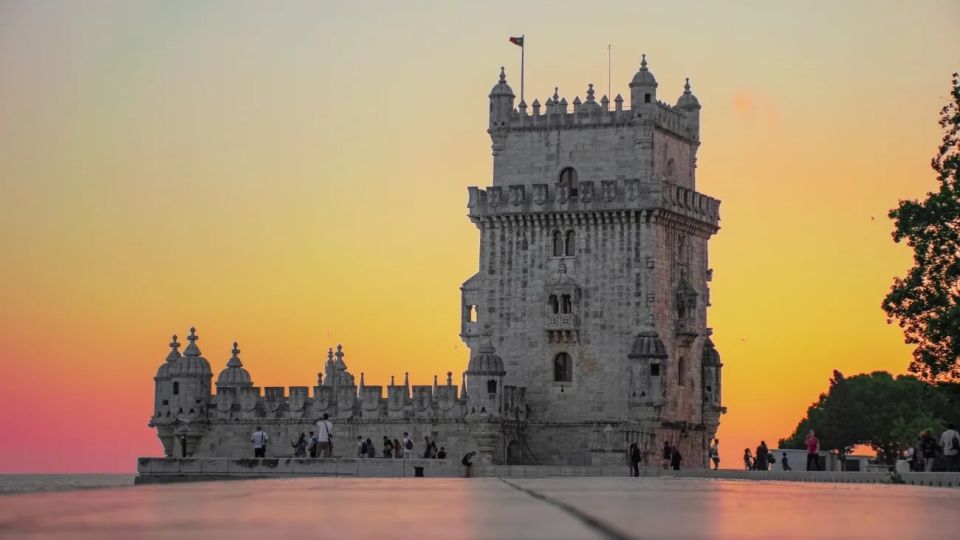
397,449
259,440
325,436
387,447
300,447
633,457
928,450
950,443
407,445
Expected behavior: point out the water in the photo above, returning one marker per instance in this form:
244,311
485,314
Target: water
28,483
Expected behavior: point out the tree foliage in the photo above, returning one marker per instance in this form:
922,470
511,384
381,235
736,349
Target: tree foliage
877,409
926,302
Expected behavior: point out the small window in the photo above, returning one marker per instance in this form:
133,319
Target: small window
166,402
557,244
647,98
554,304
491,386
570,245
681,372
176,388
562,368
670,169
471,313
654,370
566,305
568,179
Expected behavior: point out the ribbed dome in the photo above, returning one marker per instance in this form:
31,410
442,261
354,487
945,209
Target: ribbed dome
164,371
501,88
234,375
644,77
687,99
191,364
711,358
486,362
648,345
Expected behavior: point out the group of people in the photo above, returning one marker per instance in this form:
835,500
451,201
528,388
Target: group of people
671,457
398,449
320,444
929,449
764,459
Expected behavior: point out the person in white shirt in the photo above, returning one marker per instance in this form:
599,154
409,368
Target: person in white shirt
324,437
407,445
259,440
950,443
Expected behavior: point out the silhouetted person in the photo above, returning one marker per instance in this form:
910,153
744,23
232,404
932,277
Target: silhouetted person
763,455
928,450
387,447
325,436
715,453
371,450
813,448
397,449
784,462
747,459
675,458
300,446
667,453
950,443
467,463
633,455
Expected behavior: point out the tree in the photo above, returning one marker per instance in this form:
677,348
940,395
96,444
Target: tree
876,409
926,302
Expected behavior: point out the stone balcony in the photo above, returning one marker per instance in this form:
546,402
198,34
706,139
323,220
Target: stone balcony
561,321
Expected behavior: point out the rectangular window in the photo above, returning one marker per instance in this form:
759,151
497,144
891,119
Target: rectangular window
654,370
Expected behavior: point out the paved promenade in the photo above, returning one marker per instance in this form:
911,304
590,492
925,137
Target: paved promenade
450,508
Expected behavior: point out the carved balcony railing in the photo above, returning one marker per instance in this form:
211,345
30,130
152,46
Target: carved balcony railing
562,321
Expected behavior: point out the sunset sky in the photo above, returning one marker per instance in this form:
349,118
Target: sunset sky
293,175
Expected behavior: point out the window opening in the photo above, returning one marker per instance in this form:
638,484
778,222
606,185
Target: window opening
562,368
571,244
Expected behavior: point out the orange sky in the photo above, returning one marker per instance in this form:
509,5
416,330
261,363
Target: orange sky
294,176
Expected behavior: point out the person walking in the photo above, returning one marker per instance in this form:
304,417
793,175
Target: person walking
784,462
667,453
397,449
361,447
407,445
675,458
468,464
300,446
763,455
325,437
371,450
928,450
427,445
715,454
813,450
747,459
259,440
633,455
950,445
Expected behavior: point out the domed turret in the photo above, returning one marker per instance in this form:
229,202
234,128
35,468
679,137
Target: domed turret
234,376
162,388
164,371
689,105
711,369
648,345
643,87
191,364
501,102
711,358
687,99
486,362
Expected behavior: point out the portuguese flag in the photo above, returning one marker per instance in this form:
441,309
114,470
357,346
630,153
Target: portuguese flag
517,41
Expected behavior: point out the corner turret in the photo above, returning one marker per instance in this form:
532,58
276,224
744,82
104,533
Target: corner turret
484,382
643,91
689,106
501,102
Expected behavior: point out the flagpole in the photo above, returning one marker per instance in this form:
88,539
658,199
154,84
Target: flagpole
608,69
523,49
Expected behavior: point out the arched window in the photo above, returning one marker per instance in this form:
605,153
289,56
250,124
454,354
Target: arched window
562,368
554,304
557,244
491,386
570,245
681,371
568,179
176,388
566,305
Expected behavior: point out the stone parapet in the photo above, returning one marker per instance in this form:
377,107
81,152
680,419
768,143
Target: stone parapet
592,197
591,114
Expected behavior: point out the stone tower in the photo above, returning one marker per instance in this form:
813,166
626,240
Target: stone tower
593,274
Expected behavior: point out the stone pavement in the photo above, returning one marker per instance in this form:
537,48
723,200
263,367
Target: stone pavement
448,508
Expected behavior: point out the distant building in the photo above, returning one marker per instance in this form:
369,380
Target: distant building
587,320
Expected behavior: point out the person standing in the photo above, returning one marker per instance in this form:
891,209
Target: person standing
950,444
442,454
928,450
259,440
387,447
763,455
667,453
397,449
371,450
675,458
633,455
747,459
361,447
715,454
313,445
813,450
325,436
784,462
300,447
407,445
427,447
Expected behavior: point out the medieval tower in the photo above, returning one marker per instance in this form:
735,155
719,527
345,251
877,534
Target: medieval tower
593,281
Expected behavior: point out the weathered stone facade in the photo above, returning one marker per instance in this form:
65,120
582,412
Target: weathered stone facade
586,321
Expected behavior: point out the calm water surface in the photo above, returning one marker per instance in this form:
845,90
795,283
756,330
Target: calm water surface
27,483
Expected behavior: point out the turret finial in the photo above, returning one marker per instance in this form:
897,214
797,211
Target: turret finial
192,349
643,62
590,92
503,76
556,94
686,87
330,355
174,350
449,378
235,350
406,379
235,359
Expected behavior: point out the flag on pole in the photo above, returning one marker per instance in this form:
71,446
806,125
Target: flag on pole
517,41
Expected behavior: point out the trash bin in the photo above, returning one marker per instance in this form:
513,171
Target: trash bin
418,472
